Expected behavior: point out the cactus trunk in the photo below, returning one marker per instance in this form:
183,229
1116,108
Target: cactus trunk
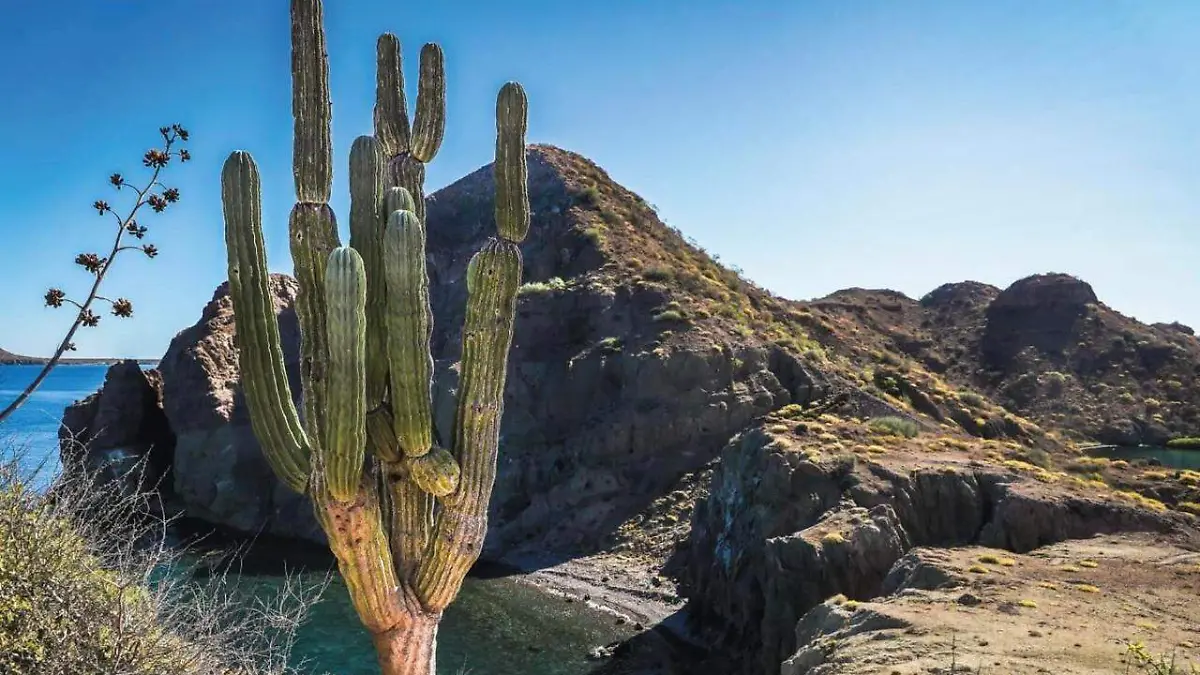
404,516
410,652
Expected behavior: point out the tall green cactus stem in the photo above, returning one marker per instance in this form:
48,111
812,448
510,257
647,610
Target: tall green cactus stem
404,516
346,293
410,326
313,234
366,237
511,171
429,125
409,147
312,147
274,421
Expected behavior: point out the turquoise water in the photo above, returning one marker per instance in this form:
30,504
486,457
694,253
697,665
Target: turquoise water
1170,457
497,626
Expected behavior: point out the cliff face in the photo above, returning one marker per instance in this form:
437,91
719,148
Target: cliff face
793,518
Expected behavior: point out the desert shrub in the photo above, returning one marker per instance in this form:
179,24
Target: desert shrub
971,399
590,195
1157,664
538,287
594,235
1055,382
609,345
658,273
670,315
895,426
89,586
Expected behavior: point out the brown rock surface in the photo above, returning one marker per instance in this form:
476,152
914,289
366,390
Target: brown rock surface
1068,608
799,512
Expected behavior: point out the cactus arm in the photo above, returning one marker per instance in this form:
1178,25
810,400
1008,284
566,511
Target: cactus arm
510,169
435,472
493,278
399,199
346,297
367,222
260,357
429,124
391,109
410,325
312,146
313,233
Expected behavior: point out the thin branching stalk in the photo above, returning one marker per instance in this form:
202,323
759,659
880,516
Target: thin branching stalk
154,194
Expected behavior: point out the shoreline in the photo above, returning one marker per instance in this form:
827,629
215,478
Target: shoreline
77,362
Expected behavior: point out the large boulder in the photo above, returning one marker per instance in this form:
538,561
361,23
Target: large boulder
1039,312
120,432
220,474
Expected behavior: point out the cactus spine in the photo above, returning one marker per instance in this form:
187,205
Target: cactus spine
404,517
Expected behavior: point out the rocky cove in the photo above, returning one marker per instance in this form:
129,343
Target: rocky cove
692,453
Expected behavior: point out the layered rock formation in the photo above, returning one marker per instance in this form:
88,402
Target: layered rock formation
786,525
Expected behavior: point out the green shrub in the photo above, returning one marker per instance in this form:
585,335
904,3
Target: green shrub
594,235
658,273
895,426
590,195
670,315
971,399
1185,443
538,287
609,345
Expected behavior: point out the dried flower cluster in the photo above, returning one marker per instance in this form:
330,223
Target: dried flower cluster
154,194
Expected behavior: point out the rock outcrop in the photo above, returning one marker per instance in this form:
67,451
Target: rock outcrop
784,527
220,474
1065,608
120,432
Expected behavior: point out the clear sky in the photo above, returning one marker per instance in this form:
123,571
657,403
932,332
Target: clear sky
817,145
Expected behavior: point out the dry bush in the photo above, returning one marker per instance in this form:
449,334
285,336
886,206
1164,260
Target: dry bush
91,584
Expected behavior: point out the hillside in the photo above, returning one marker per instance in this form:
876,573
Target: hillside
1045,348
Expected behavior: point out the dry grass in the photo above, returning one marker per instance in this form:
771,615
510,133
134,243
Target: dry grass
89,585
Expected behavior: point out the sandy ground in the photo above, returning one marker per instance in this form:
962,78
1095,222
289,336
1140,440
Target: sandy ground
630,590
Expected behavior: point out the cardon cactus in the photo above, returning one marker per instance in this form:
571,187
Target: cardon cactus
405,518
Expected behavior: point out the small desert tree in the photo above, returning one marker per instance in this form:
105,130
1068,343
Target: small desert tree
407,519
153,194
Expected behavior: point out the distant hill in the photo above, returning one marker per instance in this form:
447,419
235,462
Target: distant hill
1044,348
8,358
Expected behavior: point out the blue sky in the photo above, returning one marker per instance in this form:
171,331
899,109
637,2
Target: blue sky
817,145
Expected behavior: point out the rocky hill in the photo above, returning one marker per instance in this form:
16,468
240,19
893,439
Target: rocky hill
661,408
1045,348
